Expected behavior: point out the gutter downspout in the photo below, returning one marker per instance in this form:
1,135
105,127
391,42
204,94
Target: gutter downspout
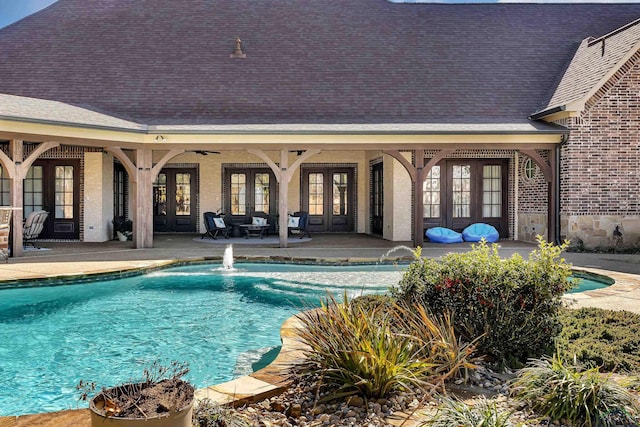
558,149
516,196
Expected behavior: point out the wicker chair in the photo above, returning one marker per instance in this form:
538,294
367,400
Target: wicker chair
33,226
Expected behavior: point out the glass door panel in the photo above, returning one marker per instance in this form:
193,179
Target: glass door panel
239,194
431,193
461,191
377,198
491,191
340,193
160,195
262,193
64,192
183,194
316,194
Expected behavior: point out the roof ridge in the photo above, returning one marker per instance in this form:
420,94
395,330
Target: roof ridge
591,41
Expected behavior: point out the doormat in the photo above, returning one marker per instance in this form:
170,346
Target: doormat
32,249
269,240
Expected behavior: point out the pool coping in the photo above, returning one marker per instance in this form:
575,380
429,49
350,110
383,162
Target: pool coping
137,268
275,377
623,283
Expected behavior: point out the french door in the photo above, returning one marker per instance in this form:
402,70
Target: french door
250,191
54,185
377,200
329,197
174,207
460,192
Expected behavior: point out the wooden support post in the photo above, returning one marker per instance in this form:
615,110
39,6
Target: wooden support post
283,203
283,174
418,207
552,198
16,148
143,189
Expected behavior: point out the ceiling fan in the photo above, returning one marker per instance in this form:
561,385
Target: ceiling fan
205,152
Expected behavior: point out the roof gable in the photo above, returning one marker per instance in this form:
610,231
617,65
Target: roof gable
595,61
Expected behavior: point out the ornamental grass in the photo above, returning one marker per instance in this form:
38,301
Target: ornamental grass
566,393
374,351
484,413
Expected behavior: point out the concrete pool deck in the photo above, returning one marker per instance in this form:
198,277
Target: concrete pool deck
78,260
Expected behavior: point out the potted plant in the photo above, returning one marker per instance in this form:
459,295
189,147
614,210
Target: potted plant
161,399
123,228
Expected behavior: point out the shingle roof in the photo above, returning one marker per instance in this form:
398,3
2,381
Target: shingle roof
46,111
24,109
308,61
594,59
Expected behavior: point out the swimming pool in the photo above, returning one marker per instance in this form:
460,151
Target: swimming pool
108,331
589,281
220,322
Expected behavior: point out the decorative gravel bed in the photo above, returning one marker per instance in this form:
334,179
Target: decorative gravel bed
302,405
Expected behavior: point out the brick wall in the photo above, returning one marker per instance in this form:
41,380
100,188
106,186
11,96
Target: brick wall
600,164
532,201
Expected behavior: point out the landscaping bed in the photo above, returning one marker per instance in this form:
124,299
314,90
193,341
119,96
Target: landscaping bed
471,340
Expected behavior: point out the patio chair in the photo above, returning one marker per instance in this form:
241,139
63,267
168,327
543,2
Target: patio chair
33,226
214,225
5,226
443,235
478,231
298,223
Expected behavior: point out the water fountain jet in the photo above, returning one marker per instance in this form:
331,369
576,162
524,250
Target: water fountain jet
412,251
227,259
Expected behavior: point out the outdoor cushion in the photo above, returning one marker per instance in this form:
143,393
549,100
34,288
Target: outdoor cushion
443,235
259,221
294,221
478,231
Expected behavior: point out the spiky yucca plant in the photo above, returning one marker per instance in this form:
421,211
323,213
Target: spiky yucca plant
363,350
484,413
583,398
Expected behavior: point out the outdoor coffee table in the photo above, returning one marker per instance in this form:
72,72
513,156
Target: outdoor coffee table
251,230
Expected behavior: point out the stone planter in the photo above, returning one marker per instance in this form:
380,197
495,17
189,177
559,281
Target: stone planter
180,418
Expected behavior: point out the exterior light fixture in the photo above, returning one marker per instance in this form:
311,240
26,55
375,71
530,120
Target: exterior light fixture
160,138
238,52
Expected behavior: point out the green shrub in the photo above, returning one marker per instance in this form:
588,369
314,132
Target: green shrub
564,392
604,338
512,304
484,413
365,349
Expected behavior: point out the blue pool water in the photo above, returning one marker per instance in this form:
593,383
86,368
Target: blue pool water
221,323
589,282
108,331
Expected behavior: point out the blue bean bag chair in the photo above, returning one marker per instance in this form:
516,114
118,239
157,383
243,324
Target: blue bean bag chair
478,231
443,235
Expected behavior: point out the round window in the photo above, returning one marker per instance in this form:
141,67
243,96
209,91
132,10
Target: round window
529,169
